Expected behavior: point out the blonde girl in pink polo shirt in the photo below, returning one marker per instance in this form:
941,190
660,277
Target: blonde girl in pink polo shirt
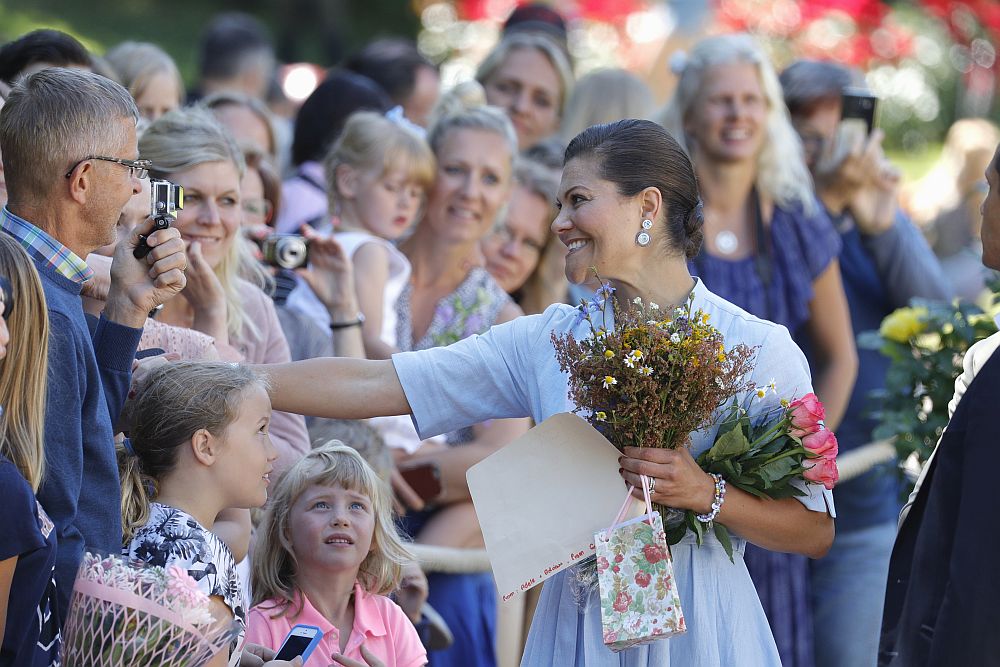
327,555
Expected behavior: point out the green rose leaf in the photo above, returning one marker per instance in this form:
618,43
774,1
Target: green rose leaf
722,535
732,443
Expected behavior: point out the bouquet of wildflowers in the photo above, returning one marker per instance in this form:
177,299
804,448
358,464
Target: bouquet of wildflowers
124,616
660,375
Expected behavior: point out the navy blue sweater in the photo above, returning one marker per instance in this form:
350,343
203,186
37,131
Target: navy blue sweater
89,376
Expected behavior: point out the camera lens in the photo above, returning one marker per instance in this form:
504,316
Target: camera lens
290,253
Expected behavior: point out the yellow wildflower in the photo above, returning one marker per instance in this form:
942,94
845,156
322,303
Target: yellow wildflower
609,381
601,416
609,354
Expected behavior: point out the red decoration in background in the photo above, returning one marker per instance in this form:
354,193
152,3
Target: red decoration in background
608,11
866,13
603,11
472,10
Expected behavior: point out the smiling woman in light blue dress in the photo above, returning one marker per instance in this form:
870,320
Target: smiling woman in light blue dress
616,176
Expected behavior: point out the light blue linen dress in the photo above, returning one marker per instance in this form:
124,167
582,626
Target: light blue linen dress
511,371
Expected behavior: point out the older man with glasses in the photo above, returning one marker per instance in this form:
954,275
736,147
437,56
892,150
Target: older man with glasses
68,139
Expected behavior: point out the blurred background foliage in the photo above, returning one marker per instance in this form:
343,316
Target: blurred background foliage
318,31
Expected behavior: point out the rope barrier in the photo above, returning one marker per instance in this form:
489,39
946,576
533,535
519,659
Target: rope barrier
450,560
858,461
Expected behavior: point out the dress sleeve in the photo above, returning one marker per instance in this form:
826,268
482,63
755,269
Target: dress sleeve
906,264
780,360
18,514
478,378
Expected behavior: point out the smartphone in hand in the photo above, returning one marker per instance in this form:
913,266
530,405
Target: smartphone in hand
860,106
301,640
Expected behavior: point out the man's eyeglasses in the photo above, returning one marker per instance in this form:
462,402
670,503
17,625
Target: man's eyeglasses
137,168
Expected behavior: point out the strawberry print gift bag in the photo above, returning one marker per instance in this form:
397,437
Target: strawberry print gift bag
639,602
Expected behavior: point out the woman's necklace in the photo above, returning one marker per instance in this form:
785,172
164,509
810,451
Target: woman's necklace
726,242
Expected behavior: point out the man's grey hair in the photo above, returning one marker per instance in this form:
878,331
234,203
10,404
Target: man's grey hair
806,83
54,118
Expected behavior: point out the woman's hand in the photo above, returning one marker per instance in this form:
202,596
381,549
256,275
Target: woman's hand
205,294
678,481
330,275
370,660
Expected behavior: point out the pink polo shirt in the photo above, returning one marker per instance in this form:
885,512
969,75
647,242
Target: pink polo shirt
378,622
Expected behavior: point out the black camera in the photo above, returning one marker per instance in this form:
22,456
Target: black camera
861,105
287,251
165,199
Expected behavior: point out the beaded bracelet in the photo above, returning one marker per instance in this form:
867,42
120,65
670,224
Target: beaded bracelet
720,497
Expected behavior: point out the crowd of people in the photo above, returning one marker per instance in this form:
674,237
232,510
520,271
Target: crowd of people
354,306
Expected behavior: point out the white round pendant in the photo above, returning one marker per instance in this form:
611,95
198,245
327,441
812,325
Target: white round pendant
726,242
642,239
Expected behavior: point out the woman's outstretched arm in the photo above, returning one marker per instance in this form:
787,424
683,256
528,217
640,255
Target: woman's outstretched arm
336,388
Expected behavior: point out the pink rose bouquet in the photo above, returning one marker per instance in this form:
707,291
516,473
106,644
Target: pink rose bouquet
770,457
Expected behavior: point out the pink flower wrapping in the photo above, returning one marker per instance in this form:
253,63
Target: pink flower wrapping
124,616
639,603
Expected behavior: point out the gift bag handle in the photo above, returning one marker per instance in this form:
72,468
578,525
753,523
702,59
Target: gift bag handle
644,481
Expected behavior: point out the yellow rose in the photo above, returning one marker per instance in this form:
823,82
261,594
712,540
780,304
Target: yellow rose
903,324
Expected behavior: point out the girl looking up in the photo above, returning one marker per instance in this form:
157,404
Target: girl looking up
199,445
327,555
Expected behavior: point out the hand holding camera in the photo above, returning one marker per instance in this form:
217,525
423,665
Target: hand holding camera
139,287
165,199
330,275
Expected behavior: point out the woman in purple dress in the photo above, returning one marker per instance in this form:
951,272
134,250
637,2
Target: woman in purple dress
769,248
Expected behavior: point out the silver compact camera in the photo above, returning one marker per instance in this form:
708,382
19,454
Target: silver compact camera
286,251
165,199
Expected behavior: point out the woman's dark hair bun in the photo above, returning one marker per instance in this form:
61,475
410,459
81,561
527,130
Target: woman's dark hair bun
694,230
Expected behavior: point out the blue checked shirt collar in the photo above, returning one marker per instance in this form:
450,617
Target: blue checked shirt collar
43,247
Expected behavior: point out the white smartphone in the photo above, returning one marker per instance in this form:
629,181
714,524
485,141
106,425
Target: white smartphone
301,640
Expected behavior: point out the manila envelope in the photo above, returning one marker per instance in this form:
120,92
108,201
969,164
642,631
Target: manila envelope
541,498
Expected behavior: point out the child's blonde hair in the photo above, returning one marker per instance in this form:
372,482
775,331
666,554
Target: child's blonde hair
371,141
273,573
176,401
